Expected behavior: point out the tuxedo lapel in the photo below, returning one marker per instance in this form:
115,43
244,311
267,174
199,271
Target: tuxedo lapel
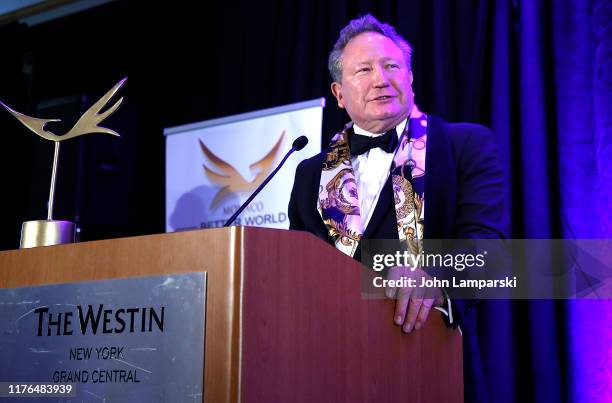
383,206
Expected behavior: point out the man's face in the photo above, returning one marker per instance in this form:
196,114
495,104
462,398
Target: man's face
376,85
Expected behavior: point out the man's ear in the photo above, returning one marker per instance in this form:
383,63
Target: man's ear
336,89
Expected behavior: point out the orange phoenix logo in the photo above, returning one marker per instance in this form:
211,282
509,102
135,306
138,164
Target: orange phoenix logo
229,178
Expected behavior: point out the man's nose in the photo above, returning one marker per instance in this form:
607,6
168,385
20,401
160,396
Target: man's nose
381,78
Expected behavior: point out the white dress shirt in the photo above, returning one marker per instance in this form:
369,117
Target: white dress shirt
371,171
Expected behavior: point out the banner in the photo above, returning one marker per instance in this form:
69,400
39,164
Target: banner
213,166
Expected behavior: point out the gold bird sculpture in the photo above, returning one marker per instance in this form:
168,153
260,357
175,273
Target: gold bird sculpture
87,123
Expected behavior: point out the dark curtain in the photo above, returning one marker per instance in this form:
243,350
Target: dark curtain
538,73
16,161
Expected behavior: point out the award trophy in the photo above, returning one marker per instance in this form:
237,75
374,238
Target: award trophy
53,232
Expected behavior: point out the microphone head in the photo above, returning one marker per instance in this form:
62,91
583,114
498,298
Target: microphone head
300,143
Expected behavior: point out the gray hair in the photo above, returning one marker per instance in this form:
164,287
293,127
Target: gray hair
367,23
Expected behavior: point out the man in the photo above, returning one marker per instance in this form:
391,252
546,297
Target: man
383,167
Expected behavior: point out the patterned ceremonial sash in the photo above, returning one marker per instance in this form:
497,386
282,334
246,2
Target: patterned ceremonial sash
338,199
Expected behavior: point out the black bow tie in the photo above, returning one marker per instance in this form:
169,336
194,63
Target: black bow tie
360,144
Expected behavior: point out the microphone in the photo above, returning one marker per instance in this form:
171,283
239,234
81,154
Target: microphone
297,145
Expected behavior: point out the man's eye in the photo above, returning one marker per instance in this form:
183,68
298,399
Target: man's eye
393,66
363,69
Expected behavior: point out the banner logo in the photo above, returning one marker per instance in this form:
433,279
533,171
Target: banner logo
230,180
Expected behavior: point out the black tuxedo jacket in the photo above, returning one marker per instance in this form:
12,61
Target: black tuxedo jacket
464,198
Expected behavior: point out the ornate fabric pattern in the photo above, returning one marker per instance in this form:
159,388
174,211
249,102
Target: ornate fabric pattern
408,179
339,201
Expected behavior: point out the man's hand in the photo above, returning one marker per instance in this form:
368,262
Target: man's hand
413,303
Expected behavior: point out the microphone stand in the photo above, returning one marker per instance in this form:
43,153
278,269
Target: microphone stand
264,183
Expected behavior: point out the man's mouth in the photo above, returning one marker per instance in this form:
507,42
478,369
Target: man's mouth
382,98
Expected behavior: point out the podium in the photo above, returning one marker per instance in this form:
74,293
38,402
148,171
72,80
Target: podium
285,318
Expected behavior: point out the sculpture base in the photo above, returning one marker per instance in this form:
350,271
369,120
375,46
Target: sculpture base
46,233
